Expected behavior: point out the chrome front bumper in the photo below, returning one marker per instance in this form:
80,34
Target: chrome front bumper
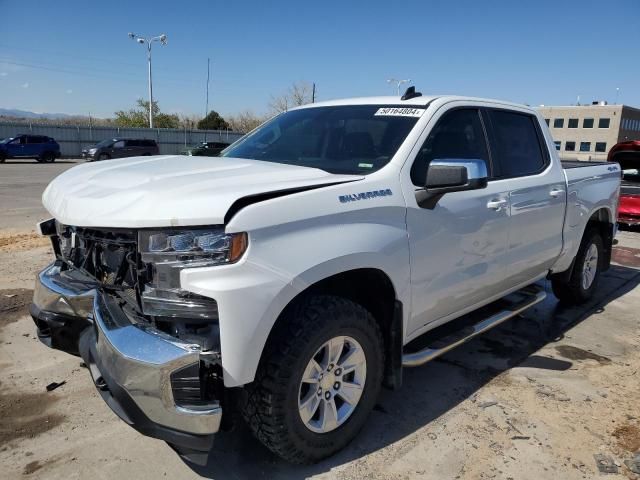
131,363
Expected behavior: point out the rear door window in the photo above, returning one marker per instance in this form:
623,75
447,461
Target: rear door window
458,134
516,146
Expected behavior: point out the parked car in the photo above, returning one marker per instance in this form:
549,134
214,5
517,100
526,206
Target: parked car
295,275
206,149
120,148
627,155
42,148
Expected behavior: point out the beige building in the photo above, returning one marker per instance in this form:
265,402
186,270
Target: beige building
587,132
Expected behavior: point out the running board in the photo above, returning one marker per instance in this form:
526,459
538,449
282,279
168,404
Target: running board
528,297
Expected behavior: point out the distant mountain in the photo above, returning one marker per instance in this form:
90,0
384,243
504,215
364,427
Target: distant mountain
12,112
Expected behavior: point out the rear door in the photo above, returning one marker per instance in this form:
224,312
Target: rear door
458,247
537,192
35,145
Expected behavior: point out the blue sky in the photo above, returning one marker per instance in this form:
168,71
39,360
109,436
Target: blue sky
74,56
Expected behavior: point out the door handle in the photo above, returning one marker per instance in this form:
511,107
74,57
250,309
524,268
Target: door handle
496,204
556,192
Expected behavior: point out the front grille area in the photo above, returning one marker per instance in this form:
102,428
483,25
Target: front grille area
111,257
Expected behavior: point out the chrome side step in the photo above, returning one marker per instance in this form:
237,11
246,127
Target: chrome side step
531,294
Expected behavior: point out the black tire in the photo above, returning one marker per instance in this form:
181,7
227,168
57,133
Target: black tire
572,291
2,158
271,410
103,156
47,157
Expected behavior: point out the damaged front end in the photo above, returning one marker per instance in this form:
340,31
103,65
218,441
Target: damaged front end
153,350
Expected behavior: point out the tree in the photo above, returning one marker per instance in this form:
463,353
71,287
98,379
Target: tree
213,121
245,121
300,93
139,117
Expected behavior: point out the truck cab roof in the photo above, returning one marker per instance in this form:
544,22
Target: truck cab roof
420,101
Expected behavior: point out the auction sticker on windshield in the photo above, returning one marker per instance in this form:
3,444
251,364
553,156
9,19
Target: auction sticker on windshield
400,112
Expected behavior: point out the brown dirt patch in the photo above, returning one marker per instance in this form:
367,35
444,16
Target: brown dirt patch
31,467
628,437
24,415
627,256
14,303
22,241
575,353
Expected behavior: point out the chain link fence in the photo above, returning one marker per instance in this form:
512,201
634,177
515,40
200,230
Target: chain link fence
73,139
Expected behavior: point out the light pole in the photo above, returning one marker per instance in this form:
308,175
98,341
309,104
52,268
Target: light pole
141,40
397,83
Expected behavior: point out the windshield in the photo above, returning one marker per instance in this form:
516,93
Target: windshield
105,143
351,139
6,140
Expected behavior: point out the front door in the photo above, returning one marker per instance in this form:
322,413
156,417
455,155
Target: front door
458,247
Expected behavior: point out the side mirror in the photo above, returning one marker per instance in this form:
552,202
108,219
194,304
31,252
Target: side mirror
454,175
451,175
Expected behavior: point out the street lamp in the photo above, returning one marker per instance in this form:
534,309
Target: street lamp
141,40
398,83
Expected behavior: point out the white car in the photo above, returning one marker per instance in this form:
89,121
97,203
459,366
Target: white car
288,279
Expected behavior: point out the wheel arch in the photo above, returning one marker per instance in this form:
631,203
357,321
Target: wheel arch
374,290
602,219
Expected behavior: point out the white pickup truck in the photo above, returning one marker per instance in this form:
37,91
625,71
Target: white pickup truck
290,279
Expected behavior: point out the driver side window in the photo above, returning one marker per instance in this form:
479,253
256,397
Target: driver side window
458,134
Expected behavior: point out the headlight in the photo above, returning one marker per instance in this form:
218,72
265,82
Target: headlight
91,151
168,252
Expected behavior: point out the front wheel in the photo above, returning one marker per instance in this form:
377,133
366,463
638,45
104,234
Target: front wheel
584,279
318,380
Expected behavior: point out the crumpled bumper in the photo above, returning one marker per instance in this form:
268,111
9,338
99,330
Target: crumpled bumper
135,367
62,305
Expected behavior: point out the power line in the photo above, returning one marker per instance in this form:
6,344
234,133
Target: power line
99,74
101,60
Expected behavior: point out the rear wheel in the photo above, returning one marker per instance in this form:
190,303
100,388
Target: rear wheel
584,279
47,157
318,380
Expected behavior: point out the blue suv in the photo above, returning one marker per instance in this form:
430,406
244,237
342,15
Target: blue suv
43,149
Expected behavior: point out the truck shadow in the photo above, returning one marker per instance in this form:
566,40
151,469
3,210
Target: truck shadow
430,391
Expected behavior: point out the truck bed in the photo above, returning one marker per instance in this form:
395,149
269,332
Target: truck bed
567,164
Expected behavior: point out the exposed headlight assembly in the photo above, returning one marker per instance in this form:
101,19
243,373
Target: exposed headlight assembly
91,151
168,252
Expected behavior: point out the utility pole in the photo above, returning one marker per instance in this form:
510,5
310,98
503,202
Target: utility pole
313,93
141,40
206,108
397,83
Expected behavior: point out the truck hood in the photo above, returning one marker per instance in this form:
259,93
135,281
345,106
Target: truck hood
170,190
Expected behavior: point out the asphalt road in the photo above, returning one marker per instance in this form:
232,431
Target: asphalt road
21,185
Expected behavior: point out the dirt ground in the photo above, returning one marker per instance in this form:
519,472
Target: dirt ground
535,398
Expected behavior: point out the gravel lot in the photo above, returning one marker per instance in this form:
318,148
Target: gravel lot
535,398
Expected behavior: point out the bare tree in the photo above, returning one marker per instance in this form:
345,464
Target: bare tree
245,121
300,93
